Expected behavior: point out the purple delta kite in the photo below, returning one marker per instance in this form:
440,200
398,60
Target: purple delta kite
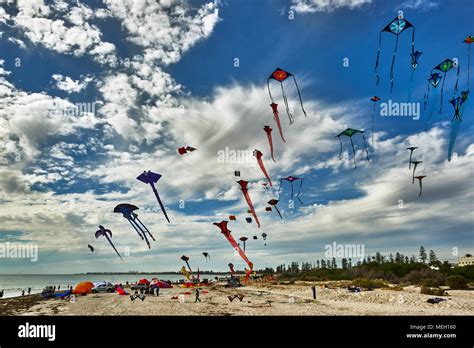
148,177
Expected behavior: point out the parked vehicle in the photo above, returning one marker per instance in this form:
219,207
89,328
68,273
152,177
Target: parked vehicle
103,287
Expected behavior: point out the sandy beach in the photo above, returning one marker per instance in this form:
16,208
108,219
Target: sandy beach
259,299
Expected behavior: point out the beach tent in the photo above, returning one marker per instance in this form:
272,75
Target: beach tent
144,281
83,288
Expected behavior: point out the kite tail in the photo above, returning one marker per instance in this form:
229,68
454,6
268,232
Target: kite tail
413,41
278,211
299,192
262,167
365,147
372,134
426,96
409,161
340,152
236,246
457,81
468,65
413,176
421,189
160,202
452,137
442,90
270,142
277,121
410,85
252,209
299,95
376,69
145,228
113,246
393,63
139,233
285,99
269,92
353,152
431,112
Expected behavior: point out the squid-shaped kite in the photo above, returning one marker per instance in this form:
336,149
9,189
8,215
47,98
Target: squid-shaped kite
458,105
107,234
396,27
273,203
268,130
415,164
151,178
243,240
420,178
292,180
264,236
243,187
350,132
281,75
258,155
186,260
128,212
227,233
206,255
374,99
411,148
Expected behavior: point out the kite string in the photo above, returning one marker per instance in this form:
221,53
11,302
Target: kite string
299,95
290,116
269,92
376,69
365,147
340,152
393,63
353,152
442,90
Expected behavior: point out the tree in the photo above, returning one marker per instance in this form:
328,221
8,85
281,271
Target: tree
423,255
323,263
317,263
333,263
433,258
391,258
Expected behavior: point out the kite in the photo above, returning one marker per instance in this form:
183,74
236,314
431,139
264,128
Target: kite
127,211
411,148
264,236
268,130
396,27
375,99
151,178
268,208
255,237
276,117
243,240
243,186
186,260
433,81
415,56
349,132
291,180
468,40
183,150
445,66
415,164
280,76
419,179
232,217
458,105
237,173
273,203
259,155
231,267
226,232
186,273
206,255
248,219
106,233
90,247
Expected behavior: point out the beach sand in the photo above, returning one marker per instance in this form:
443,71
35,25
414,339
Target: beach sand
260,299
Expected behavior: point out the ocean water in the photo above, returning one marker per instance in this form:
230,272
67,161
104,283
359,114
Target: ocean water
14,284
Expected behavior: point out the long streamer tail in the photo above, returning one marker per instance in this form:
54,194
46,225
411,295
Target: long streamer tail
252,209
113,246
160,202
299,95
393,64
376,69
285,99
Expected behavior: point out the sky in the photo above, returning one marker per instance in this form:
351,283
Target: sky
172,73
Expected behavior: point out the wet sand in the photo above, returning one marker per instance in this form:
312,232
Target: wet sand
259,299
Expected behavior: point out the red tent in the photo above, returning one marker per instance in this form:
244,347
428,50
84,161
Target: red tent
144,281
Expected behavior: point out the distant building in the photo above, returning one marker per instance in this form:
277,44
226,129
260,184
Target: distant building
466,260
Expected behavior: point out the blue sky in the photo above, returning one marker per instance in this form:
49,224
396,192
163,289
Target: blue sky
162,75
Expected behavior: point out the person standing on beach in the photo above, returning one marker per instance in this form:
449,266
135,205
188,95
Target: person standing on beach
314,292
29,291
1,293
59,287
23,293
197,295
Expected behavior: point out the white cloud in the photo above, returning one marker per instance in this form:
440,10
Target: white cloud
311,6
67,84
422,5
